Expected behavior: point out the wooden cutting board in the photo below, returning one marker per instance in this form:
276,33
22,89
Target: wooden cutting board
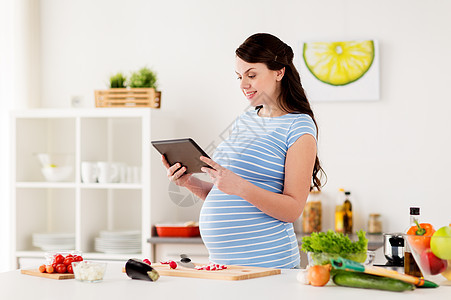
231,273
58,276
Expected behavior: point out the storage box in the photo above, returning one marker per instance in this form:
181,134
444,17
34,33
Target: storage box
128,97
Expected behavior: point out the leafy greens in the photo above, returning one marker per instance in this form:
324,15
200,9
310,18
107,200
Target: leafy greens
334,243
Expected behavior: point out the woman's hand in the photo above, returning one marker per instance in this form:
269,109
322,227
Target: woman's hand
224,179
179,177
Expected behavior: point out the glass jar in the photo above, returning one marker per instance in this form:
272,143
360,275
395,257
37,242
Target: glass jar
374,224
312,215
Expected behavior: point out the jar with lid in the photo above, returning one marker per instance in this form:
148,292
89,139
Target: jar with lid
374,224
312,215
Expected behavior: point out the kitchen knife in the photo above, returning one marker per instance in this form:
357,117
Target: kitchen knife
185,261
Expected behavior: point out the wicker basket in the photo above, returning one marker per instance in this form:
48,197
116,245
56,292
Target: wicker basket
128,97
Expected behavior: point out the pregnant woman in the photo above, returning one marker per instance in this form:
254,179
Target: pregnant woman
263,172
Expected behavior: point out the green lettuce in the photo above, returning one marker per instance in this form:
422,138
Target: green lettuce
334,243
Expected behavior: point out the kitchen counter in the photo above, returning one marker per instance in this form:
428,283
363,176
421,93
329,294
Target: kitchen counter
117,285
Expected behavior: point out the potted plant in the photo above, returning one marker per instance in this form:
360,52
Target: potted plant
117,81
144,78
138,91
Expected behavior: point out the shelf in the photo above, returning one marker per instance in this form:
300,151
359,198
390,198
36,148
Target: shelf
130,186
64,185
86,256
45,185
112,135
175,240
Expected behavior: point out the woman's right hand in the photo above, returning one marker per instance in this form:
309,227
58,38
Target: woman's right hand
179,177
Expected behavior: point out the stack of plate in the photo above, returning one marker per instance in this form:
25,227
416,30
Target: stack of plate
118,242
54,241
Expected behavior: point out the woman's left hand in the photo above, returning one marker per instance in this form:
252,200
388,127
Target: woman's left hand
224,179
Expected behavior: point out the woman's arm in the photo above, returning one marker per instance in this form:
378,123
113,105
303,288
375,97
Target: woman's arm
287,206
198,187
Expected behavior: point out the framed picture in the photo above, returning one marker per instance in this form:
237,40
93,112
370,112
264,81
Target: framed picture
340,70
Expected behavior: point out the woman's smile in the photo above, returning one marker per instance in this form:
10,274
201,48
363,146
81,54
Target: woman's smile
250,95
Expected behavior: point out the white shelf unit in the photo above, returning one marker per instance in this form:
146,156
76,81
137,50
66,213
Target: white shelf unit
85,209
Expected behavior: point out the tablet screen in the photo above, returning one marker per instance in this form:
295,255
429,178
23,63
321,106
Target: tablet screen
184,151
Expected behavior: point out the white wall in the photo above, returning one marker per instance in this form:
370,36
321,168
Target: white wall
391,153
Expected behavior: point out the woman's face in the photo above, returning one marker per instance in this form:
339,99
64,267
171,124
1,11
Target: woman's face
260,85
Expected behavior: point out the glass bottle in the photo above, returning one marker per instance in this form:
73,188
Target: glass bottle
312,215
410,266
347,214
339,211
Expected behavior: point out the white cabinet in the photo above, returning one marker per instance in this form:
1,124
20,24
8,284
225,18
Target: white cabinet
84,209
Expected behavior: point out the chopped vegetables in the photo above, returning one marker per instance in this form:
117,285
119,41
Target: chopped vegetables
172,264
211,267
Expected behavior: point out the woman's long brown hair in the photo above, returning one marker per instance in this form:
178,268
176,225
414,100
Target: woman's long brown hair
275,54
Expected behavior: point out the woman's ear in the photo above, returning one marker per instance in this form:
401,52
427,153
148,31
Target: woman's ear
280,73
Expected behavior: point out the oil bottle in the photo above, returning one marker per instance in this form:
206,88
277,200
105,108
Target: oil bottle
347,214
410,266
339,211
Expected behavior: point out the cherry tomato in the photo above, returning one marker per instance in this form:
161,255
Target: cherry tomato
42,268
49,269
54,265
59,259
61,268
78,258
69,255
68,261
69,269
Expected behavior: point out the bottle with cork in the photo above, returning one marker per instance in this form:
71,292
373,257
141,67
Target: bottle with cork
347,214
410,266
339,211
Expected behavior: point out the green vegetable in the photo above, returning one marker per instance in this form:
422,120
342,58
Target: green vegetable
367,281
136,269
336,243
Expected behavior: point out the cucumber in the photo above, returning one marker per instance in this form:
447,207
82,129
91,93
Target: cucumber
367,281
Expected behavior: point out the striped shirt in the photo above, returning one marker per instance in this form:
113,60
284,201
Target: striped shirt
234,231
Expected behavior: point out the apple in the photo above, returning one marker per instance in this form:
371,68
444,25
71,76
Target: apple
431,263
441,243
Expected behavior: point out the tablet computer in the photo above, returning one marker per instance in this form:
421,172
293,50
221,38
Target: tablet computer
184,151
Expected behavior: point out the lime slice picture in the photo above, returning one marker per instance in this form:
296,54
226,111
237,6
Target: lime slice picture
338,63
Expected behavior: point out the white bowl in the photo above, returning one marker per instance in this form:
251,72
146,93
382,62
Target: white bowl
55,174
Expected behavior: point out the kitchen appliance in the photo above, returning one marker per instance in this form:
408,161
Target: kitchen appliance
394,247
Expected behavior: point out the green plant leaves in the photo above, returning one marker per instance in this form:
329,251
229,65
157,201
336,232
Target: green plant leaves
143,78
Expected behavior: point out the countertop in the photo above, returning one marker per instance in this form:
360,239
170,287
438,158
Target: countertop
117,285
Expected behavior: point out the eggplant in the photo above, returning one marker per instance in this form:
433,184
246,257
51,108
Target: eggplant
136,269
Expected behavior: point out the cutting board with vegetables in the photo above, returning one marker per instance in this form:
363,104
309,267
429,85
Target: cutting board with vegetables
231,273
58,276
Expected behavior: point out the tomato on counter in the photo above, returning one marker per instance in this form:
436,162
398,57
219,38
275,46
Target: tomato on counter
420,236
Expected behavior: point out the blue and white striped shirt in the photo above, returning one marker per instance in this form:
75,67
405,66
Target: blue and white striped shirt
234,231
